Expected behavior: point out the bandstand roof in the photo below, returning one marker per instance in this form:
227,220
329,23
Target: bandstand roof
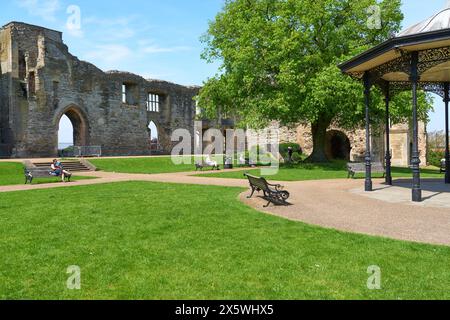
391,60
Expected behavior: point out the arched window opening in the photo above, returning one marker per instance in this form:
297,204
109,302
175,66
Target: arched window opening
65,136
154,137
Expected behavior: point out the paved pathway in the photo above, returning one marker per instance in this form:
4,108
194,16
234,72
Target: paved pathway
337,204
334,204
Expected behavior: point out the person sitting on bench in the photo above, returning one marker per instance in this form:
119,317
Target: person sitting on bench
58,170
242,160
211,163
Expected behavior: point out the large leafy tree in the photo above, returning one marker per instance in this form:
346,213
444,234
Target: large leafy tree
279,62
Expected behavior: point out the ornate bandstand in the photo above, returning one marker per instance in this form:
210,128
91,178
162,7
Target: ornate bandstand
418,58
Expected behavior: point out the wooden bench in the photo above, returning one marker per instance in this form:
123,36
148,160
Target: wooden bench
358,167
202,165
32,173
443,167
273,193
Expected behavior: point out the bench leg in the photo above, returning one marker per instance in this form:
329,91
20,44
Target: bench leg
253,192
268,203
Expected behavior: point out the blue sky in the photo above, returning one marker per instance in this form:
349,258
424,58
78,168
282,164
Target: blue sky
153,38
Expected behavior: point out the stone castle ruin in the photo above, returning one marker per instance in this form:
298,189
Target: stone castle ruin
40,81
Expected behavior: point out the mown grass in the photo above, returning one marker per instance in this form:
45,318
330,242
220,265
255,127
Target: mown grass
296,172
139,240
146,165
11,173
309,171
150,165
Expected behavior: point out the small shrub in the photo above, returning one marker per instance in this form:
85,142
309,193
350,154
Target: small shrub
296,156
435,157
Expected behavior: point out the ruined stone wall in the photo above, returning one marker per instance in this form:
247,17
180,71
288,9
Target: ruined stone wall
401,144
401,139
5,129
356,137
46,82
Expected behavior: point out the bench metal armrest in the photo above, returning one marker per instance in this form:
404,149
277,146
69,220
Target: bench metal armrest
278,187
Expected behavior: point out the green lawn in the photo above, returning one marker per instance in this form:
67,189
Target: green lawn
143,165
305,171
298,172
11,173
141,240
148,165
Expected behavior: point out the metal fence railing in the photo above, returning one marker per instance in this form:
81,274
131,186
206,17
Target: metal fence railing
156,146
87,151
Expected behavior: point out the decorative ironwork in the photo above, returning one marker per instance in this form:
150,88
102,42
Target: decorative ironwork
398,86
433,87
356,75
432,57
427,59
401,64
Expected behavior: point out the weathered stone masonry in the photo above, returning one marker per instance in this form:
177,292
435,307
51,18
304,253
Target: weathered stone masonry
351,144
40,81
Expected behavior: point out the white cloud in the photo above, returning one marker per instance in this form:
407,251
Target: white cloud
45,9
108,56
157,49
78,33
114,28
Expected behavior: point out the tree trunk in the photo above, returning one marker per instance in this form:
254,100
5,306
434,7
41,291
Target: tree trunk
319,133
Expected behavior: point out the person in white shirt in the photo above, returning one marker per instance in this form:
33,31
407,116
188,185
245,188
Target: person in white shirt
210,162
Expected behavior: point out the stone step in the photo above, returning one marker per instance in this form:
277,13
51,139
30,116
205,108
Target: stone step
73,166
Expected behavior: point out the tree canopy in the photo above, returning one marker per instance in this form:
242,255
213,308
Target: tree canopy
279,62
